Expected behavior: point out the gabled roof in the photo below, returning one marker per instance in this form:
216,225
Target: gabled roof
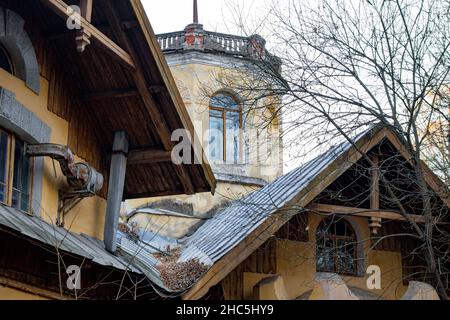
233,234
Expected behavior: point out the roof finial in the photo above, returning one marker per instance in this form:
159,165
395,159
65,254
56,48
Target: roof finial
195,12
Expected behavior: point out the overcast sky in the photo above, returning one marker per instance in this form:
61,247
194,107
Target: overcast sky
174,15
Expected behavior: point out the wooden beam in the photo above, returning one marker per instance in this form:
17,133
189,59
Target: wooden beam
60,8
375,185
113,94
142,86
83,37
118,93
361,212
148,156
86,9
375,222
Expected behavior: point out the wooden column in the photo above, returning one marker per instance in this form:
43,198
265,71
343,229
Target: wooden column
115,188
375,223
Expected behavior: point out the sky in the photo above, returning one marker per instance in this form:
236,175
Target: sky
174,15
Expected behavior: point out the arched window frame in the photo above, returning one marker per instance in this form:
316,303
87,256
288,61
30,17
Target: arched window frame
224,111
17,44
339,245
5,56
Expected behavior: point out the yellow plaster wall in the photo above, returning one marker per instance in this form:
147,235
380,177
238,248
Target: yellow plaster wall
7,293
88,216
297,265
197,82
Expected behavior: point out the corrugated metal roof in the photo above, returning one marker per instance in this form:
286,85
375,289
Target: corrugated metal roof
81,245
134,257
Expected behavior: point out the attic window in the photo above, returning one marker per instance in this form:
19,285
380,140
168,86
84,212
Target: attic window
5,60
336,247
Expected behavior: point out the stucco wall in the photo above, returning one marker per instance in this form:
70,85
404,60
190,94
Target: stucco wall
197,82
296,264
88,216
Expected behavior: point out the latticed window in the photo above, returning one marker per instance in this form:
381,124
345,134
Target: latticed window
336,247
225,122
15,172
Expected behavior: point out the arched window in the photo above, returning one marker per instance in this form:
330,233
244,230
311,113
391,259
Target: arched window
17,55
225,122
5,60
336,247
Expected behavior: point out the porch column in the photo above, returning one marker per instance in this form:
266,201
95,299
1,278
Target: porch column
115,188
375,223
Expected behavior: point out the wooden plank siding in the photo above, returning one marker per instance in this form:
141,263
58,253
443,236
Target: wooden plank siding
262,261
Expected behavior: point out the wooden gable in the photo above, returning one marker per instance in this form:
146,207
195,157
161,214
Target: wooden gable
306,197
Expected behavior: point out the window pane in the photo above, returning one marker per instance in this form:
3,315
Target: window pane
3,160
21,180
215,145
224,101
344,253
325,256
336,247
232,119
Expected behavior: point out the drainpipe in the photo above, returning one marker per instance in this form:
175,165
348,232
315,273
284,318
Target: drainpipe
115,188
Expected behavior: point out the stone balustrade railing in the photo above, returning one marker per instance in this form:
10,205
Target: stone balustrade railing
194,37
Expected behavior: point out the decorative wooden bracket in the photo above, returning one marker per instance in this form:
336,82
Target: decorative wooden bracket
88,32
83,37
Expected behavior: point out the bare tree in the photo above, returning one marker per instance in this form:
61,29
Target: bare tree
348,65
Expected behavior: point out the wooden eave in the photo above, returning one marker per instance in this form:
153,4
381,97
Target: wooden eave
123,82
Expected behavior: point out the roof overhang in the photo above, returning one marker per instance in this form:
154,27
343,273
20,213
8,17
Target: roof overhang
123,83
